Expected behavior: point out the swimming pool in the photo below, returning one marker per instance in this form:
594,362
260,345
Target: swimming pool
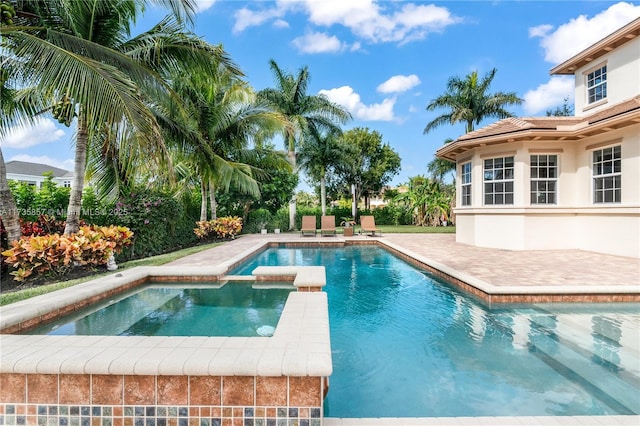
180,309
406,344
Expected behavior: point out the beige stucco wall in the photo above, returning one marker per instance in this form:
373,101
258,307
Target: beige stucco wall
574,222
623,77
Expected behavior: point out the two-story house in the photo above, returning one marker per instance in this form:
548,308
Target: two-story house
536,183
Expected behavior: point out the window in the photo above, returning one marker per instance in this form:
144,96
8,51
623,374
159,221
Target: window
66,184
597,85
498,181
465,171
607,175
544,175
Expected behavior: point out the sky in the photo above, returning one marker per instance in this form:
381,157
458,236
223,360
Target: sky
384,61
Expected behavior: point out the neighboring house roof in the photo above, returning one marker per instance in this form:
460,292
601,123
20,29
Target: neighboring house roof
35,169
513,129
601,48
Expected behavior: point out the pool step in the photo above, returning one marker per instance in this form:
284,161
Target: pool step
616,392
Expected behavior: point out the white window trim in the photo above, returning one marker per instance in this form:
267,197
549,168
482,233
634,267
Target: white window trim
602,176
468,184
503,180
594,104
556,179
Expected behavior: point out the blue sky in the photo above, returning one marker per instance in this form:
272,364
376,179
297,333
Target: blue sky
386,60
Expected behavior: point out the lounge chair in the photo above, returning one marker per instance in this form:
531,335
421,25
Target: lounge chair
328,225
368,226
308,226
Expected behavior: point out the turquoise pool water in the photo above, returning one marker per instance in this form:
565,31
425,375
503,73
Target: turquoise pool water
406,344
235,309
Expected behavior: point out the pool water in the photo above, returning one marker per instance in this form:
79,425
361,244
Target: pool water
406,344
235,309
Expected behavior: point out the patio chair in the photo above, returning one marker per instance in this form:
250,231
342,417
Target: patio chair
368,226
328,225
308,226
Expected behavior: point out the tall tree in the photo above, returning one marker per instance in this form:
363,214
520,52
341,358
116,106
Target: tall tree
370,166
320,153
79,56
230,121
468,101
289,97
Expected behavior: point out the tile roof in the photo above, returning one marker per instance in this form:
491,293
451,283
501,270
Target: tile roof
35,169
566,128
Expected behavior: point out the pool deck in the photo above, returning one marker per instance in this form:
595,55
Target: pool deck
551,270
554,271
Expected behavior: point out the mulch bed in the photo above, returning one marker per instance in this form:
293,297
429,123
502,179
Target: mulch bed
8,284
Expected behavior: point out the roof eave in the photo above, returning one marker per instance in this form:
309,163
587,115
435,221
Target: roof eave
453,150
597,50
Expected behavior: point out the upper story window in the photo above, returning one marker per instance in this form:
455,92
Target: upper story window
465,172
544,177
607,175
66,184
498,181
597,85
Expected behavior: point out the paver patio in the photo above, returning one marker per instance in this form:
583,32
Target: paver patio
493,266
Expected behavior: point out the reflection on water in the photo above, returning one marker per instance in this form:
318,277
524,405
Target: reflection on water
236,309
406,344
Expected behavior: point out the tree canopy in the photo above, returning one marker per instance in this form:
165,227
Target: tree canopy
468,101
370,163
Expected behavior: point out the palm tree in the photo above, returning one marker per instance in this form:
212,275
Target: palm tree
320,151
301,110
468,102
228,120
80,54
440,167
9,211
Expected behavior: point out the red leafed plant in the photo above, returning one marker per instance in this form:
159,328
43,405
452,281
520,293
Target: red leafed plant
221,228
57,254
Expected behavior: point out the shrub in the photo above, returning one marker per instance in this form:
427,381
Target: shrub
57,254
43,225
221,228
257,220
158,221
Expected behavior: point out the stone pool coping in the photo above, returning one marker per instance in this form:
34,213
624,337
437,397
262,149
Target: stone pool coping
300,345
486,291
492,289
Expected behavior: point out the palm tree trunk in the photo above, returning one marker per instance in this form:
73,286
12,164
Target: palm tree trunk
323,194
292,203
8,209
203,200
212,200
75,199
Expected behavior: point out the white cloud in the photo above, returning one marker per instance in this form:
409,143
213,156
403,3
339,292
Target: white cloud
43,159
399,83
367,19
43,131
280,23
349,99
202,5
576,35
549,95
246,18
318,43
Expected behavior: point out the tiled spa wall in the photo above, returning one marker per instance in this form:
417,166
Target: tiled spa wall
112,400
